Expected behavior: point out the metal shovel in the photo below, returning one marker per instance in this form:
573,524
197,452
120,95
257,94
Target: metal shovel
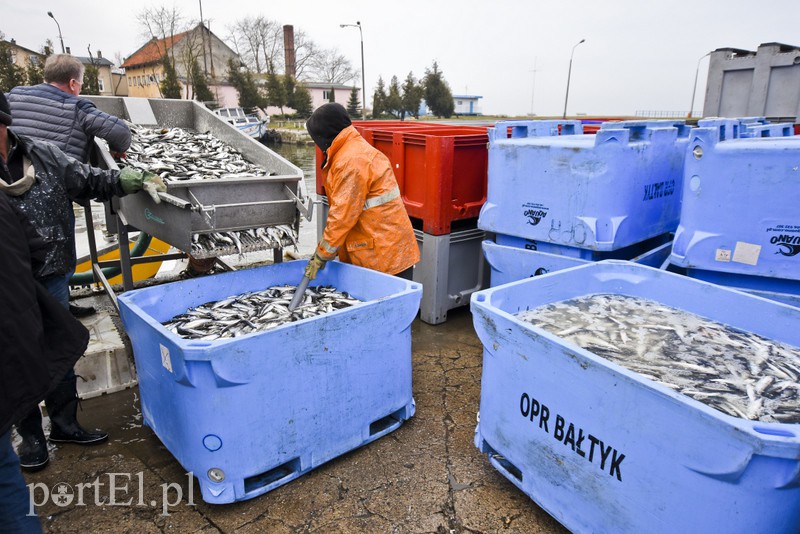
299,294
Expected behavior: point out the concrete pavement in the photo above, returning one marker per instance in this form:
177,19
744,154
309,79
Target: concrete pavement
426,477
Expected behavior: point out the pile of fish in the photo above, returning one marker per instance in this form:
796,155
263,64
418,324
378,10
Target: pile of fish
738,373
224,243
256,312
179,154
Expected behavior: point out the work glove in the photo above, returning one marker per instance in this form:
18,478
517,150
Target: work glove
315,264
133,180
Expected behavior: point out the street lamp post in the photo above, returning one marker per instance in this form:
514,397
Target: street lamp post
363,84
50,14
569,74
533,86
694,89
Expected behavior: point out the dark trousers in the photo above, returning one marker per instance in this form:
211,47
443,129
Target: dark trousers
58,287
408,274
14,496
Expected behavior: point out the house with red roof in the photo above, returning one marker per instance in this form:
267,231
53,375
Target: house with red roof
144,68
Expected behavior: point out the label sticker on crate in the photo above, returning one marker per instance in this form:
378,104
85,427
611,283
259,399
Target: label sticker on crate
746,253
723,254
165,360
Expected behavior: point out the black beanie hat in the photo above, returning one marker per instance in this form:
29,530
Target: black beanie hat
325,124
5,110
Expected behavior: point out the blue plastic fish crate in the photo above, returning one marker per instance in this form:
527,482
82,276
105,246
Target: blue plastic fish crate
509,264
262,409
781,290
747,127
624,253
740,206
599,192
604,449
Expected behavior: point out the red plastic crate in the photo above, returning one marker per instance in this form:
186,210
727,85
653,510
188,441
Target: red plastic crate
441,170
367,130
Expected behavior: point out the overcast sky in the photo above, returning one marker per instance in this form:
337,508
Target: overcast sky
638,54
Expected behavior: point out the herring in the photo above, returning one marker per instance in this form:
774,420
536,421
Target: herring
255,312
738,373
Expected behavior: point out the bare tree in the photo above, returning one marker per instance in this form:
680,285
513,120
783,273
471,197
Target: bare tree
161,25
304,50
258,41
331,66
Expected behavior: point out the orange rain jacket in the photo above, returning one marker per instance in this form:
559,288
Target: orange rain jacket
367,222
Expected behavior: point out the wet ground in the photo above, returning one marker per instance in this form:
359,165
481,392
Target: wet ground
427,476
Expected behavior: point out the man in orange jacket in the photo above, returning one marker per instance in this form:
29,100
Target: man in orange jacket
367,222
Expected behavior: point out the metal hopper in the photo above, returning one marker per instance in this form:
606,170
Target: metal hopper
198,206
207,205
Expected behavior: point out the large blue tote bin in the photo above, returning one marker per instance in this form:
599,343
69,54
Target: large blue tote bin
598,192
509,264
619,453
249,414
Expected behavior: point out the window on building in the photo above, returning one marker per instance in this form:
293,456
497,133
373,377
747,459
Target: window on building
14,57
326,95
460,102
151,79
100,84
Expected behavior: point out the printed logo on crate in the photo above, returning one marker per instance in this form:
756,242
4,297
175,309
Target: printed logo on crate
661,189
785,238
534,212
589,447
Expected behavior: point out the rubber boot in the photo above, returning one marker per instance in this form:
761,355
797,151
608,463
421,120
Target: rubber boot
81,311
32,451
62,405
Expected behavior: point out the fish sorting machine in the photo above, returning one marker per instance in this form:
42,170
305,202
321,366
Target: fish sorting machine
203,206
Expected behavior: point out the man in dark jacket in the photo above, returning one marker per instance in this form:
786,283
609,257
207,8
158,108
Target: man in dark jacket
53,111
41,341
41,181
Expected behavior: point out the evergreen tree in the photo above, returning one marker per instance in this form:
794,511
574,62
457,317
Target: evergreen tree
276,91
437,93
11,75
243,81
412,96
35,72
35,69
353,104
91,85
394,102
301,102
170,86
378,99
198,80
